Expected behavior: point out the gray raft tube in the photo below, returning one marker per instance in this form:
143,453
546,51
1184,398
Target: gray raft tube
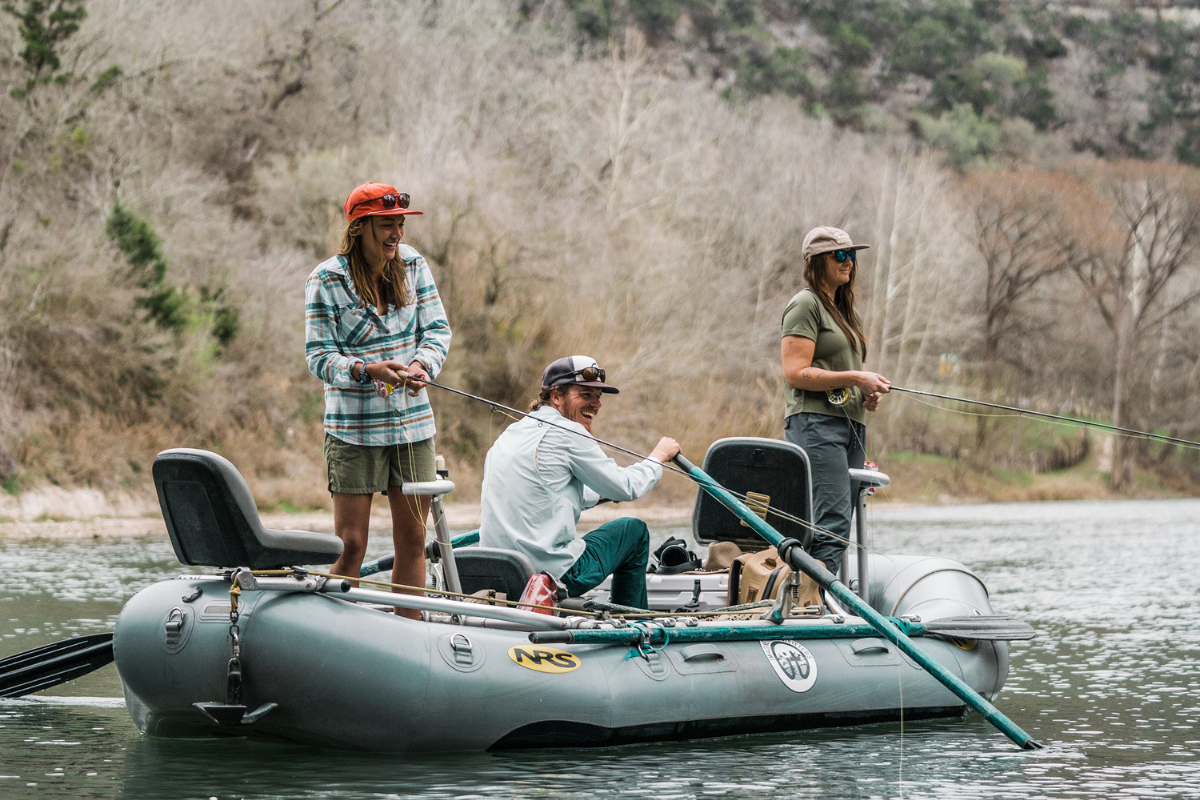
928,587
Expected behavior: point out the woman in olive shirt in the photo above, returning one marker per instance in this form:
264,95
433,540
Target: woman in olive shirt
828,391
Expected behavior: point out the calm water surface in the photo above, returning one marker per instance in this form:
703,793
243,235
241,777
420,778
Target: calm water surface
1112,682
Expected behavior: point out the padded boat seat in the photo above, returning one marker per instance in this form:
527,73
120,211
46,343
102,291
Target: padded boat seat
493,568
213,522
769,468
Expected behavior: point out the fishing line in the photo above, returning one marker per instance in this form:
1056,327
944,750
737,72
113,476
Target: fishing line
1022,412
501,408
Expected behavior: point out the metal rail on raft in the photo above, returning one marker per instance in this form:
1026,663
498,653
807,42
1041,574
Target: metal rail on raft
800,560
342,588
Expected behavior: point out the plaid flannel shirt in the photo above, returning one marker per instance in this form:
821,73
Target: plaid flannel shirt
341,331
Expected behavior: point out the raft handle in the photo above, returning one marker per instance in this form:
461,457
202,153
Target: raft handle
699,653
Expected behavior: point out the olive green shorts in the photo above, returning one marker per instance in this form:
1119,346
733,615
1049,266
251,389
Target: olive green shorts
363,469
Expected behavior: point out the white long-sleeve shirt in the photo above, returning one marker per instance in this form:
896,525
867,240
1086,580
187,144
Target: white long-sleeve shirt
538,478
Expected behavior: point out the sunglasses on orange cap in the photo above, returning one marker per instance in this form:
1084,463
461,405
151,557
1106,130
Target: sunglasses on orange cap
389,201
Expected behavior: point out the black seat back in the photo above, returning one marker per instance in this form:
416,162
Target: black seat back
213,522
777,469
493,568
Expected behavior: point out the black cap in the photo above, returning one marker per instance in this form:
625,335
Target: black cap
574,371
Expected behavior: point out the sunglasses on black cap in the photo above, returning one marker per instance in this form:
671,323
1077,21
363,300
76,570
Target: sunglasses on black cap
589,374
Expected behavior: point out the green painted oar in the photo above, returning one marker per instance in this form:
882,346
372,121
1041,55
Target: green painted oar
802,561
385,563
723,633
989,628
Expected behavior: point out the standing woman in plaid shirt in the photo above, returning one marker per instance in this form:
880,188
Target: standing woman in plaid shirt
373,317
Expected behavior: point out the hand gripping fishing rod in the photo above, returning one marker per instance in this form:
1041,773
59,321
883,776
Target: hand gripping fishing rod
1027,412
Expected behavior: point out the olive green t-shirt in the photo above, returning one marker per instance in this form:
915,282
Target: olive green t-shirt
805,316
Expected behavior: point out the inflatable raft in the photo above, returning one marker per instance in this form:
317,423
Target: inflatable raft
258,648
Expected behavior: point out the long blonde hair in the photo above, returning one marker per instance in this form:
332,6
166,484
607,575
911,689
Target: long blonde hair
842,306
392,283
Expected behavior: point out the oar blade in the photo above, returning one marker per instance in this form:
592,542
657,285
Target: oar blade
993,628
55,663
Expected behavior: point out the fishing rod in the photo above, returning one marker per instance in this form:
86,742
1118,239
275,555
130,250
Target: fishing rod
758,504
511,410
1028,412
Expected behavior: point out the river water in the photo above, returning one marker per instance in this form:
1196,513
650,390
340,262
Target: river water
1111,683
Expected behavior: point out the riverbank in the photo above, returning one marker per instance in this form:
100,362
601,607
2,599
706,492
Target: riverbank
917,480
146,521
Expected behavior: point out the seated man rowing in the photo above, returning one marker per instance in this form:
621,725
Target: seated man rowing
538,477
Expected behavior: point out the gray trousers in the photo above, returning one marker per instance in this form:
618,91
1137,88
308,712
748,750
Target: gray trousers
834,445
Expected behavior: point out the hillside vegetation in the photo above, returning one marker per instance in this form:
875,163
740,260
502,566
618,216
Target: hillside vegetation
630,180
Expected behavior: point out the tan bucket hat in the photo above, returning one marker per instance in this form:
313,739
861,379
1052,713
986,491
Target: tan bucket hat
720,556
826,240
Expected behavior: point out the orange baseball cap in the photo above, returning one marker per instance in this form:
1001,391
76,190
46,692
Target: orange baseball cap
377,200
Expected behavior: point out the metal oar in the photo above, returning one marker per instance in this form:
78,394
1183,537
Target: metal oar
55,663
1056,417
800,560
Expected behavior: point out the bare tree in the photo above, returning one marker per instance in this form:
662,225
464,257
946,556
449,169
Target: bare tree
1156,212
1026,227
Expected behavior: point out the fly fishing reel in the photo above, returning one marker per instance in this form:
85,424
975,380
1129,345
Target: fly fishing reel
838,397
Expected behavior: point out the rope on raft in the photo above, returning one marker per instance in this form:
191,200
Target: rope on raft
607,610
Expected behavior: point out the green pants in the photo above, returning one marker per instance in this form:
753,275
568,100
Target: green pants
620,548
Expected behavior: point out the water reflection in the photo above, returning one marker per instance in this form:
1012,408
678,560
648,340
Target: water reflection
1111,681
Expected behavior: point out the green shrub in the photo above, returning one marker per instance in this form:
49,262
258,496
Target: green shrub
742,12
135,238
655,17
784,71
593,18
106,80
844,96
1187,149
961,132
850,47
42,28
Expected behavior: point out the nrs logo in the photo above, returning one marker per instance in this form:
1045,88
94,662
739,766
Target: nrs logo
544,659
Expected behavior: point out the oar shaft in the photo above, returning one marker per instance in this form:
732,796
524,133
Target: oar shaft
809,566
714,633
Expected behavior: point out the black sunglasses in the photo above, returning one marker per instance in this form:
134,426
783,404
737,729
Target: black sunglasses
839,255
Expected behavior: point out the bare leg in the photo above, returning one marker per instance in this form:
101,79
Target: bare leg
408,536
351,521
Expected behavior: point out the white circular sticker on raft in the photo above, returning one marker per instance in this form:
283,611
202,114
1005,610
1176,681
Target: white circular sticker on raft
792,662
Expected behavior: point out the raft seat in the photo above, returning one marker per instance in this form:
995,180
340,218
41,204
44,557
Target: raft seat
505,571
774,472
213,521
